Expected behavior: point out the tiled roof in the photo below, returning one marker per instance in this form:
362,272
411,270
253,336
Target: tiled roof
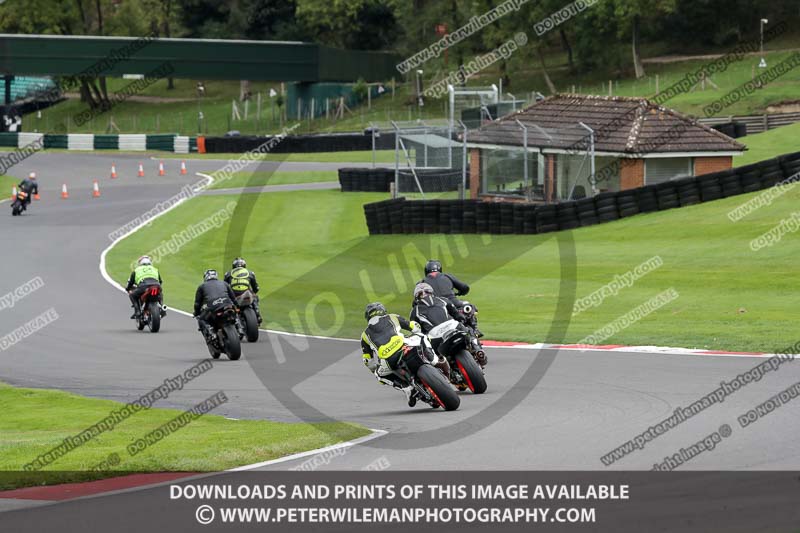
621,124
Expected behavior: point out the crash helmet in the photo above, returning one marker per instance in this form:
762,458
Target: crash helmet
433,266
239,263
374,309
210,274
422,290
144,260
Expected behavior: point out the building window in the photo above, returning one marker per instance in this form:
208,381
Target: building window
503,172
661,169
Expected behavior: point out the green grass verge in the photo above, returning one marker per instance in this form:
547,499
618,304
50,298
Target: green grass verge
6,184
257,179
730,297
34,421
769,144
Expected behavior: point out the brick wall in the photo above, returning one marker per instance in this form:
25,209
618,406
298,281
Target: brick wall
706,165
631,174
474,172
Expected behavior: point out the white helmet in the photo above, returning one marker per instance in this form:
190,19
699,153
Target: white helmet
422,290
144,260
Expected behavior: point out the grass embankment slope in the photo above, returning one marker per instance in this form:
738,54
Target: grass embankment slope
35,421
769,144
306,244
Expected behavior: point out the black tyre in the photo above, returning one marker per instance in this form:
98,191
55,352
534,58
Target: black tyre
250,324
471,371
233,347
155,317
438,387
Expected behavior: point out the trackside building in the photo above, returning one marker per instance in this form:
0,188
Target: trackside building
572,146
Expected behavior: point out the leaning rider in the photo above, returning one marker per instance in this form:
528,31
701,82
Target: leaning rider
430,311
144,276
211,295
30,187
382,343
241,280
444,286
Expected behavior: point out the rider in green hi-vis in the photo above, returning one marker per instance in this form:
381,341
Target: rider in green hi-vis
241,279
143,276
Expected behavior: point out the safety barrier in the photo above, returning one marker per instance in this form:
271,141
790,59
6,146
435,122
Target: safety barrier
329,142
380,180
472,216
168,142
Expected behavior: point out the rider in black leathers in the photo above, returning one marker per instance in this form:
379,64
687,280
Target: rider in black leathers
445,286
211,295
30,187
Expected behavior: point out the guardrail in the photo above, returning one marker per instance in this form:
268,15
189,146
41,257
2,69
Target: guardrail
473,216
169,142
756,123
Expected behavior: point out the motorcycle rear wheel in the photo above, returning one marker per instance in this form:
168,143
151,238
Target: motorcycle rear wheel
155,317
233,347
250,324
471,372
438,387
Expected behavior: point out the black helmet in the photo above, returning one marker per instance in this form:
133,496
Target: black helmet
239,263
374,309
433,266
210,274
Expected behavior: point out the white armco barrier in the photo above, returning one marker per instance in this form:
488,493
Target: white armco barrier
80,141
133,142
181,144
24,139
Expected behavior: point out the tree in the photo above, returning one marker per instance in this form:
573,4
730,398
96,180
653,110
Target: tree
633,14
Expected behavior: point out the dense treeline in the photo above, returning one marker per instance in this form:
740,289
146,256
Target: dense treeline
610,34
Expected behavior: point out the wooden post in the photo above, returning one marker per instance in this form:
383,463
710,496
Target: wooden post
369,97
657,91
393,87
609,88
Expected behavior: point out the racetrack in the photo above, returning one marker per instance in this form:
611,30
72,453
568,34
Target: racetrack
586,404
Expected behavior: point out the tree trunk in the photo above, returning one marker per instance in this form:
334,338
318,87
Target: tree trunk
567,48
167,9
103,89
93,86
637,60
244,90
86,94
547,80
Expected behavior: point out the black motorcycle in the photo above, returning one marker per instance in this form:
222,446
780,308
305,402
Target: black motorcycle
456,343
470,320
247,323
150,309
19,204
222,335
430,385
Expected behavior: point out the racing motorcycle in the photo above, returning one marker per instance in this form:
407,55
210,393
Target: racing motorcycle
247,321
469,313
18,205
415,368
222,336
151,310
459,346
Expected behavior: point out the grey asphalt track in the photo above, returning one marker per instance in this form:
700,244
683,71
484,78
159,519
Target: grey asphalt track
586,404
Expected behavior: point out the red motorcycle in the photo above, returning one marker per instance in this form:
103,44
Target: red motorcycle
151,310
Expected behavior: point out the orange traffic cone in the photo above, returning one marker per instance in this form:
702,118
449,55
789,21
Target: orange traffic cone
141,171
13,193
95,190
161,168
113,171
64,193
183,167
